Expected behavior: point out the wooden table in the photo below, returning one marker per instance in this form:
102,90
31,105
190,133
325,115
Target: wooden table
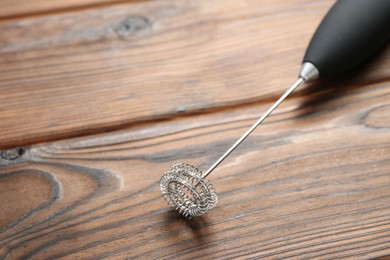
99,98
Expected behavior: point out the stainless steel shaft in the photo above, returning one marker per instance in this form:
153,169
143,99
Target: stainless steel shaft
253,127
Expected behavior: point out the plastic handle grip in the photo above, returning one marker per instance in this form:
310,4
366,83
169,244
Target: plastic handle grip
350,33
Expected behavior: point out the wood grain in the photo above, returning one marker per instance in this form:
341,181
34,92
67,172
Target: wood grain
11,9
312,182
107,68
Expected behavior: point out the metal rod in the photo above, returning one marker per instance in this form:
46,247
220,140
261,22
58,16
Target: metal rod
253,127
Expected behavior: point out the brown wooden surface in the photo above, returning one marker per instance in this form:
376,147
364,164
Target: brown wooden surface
11,9
84,72
180,81
314,182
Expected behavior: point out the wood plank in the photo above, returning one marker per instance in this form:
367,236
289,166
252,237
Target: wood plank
18,8
313,182
91,71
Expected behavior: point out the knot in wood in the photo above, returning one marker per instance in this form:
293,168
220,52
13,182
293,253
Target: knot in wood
12,154
133,25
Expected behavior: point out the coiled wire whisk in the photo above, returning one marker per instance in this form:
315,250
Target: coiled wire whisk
186,191
183,186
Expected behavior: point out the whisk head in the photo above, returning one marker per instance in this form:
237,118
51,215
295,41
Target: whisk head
185,190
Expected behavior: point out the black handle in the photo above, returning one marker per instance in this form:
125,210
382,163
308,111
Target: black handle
349,34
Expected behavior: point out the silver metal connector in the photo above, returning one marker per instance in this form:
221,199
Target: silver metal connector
309,72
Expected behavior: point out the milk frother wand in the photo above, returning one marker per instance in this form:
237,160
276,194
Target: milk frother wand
351,32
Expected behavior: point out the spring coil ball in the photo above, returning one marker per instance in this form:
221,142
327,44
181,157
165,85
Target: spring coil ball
185,190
